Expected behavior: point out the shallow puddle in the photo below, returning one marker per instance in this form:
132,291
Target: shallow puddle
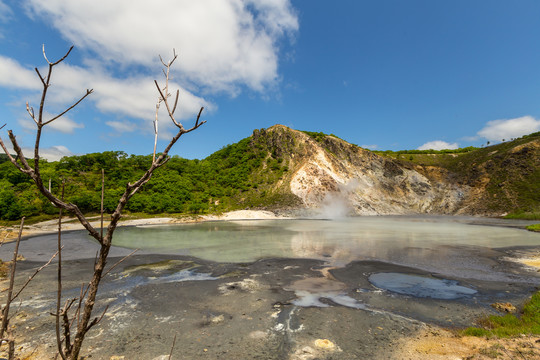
318,292
420,286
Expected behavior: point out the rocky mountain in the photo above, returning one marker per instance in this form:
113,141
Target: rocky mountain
330,175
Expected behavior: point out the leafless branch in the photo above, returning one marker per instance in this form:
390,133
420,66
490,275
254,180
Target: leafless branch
198,117
31,277
102,198
82,295
25,168
120,261
88,92
58,61
41,78
165,94
59,279
66,324
30,111
172,347
176,101
97,320
9,299
164,99
156,129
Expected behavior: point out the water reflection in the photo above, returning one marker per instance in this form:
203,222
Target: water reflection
428,243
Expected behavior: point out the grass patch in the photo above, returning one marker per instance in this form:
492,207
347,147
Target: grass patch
510,325
535,227
492,352
4,269
522,215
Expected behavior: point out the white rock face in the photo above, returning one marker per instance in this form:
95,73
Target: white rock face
369,186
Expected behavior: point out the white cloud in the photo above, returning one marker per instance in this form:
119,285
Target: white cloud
14,75
63,124
496,130
371,147
438,145
134,97
223,44
5,15
53,153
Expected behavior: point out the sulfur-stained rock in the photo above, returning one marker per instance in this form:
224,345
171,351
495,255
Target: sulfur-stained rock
325,344
504,307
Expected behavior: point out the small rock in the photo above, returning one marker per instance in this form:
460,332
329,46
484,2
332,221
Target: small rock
325,344
217,319
504,307
116,357
212,319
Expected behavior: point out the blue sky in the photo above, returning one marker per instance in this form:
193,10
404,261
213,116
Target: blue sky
380,74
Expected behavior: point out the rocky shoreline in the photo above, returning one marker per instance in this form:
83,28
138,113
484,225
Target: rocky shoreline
297,309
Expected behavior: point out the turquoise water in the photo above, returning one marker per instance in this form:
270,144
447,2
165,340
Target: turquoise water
428,242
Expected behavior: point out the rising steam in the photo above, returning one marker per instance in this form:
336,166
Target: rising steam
337,204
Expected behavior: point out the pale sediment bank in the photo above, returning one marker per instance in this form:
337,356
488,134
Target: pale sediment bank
71,224
245,215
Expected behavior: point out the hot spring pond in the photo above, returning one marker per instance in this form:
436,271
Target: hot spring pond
447,245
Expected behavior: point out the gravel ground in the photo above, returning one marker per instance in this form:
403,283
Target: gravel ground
269,309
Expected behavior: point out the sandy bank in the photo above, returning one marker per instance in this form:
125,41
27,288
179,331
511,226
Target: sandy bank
245,215
69,224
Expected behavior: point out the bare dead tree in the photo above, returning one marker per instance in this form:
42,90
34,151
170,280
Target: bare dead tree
5,310
5,331
72,348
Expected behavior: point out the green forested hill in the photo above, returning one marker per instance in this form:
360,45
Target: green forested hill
237,176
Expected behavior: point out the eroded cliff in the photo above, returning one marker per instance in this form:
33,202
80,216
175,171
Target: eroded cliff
332,175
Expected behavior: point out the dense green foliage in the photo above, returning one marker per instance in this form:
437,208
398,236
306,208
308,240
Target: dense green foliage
318,136
535,227
509,324
431,151
238,176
